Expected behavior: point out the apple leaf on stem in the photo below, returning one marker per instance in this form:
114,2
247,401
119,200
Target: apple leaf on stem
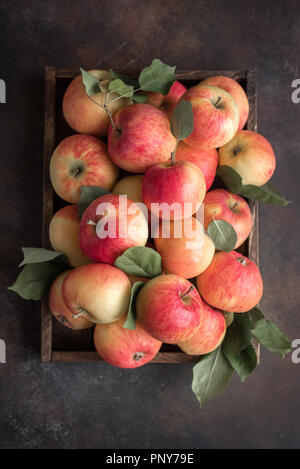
157,78
237,347
140,261
266,194
131,315
231,179
90,82
182,121
211,376
125,78
88,195
36,255
139,98
222,234
271,337
118,86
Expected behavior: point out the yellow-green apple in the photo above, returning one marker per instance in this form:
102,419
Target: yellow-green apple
130,186
169,308
232,282
167,103
184,247
174,191
216,116
206,160
110,225
84,115
64,235
220,204
209,335
59,309
144,138
251,155
81,160
235,90
123,347
97,292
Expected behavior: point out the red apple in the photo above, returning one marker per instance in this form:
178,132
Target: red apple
236,91
231,282
186,250
181,186
167,103
64,235
251,155
123,347
206,160
97,292
82,114
109,226
209,335
220,204
81,160
169,308
59,309
144,138
216,116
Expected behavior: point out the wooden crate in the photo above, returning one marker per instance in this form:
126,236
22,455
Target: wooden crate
60,344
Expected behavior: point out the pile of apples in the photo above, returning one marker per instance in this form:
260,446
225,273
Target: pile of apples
186,303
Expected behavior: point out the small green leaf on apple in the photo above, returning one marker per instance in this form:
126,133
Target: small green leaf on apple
131,315
36,255
118,86
222,234
35,280
266,194
90,82
88,195
182,122
271,337
157,78
211,376
125,78
140,261
231,178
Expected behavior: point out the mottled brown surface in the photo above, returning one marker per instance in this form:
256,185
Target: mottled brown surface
95,405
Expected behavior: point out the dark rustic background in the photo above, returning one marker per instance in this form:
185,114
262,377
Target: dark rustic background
70,406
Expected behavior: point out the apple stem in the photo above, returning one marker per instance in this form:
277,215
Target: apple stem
173,153
75,316
235,205
107,109
188,291
217,102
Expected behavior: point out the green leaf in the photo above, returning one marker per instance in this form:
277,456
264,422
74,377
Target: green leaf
182,122
125,78
158,77
231,178
118,86
243,363
90,82
88,195
35,279
271,337
140,261
211,376
238,335
222,234
139,98
255,314
229,318
36,255
266,194
131,315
